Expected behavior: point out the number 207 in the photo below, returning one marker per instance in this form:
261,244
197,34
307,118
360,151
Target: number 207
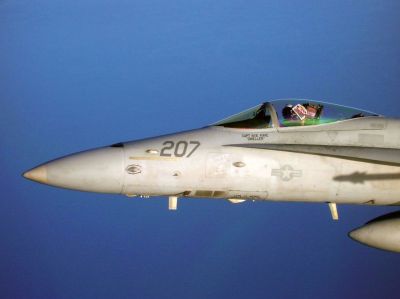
179,149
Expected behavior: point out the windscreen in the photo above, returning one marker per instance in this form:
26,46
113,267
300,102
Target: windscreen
254,118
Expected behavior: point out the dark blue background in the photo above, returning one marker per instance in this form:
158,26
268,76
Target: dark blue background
80,74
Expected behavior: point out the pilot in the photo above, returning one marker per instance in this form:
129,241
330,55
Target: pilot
288,113
301,114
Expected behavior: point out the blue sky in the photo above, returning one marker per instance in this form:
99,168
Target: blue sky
78,75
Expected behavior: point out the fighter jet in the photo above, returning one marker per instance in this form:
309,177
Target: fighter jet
282,150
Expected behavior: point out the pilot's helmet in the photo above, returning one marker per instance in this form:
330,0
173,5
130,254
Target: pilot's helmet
288,114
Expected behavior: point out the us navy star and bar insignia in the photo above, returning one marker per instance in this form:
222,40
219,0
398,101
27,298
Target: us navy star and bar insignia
286,173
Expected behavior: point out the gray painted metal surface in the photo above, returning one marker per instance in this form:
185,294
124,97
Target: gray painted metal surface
382,232
320,153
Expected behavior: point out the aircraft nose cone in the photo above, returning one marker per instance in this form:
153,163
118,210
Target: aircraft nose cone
97,170
38,174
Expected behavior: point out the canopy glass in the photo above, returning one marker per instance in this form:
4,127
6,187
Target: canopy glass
291,113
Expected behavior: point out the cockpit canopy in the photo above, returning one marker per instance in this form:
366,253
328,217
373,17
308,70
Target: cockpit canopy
291,113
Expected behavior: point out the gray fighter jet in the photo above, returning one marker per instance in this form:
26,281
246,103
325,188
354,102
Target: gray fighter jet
283,150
